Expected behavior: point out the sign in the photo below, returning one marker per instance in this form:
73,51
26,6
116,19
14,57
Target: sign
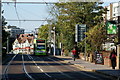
80,29
40,41
98,58
111,28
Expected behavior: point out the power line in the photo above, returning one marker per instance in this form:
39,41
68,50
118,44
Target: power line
17,14
49,13
30,2
26,20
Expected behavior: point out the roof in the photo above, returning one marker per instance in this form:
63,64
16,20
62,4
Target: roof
23,37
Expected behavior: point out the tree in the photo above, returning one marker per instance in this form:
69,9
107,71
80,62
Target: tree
71,13
4,37
43,32
96,36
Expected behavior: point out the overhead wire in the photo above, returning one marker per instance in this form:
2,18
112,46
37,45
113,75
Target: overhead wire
27,11
17,14
49,9
37,15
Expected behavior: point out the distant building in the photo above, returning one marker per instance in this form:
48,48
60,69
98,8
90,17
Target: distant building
113,11
24,44
14,31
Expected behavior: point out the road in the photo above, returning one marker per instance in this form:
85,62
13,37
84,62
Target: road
27,67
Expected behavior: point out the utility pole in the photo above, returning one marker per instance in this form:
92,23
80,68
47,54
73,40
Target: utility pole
50,28
54,41
118,46
7,45
0,40
0,30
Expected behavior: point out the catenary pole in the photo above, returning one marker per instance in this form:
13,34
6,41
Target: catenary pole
0,40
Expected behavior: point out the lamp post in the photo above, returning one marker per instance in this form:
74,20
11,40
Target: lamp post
7,45
118,46
54,41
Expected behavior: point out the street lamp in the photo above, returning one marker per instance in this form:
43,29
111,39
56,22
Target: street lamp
118,46
54,40
7,45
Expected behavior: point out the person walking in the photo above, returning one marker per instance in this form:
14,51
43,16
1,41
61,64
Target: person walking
47,50
74,53
62,52
113,55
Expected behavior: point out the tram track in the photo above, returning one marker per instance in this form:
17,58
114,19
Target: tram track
62,73
24,69
5,72
6,69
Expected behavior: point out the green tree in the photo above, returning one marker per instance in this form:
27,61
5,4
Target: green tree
71,13
4,37
43,32
96,36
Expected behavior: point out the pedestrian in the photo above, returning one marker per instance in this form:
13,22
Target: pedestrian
74,53
77,51
113,55
62,52
47,50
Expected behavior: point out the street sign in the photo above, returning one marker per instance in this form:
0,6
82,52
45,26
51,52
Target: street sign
111,28
99,58
80,30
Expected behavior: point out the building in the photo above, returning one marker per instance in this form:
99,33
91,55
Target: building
112,11
24,44
14,31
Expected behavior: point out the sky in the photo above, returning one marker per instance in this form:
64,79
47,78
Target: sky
30,12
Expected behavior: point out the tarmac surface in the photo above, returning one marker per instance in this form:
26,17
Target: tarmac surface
88,66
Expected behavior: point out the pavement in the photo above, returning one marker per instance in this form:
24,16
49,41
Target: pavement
88,66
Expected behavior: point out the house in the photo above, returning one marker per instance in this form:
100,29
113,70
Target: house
24,44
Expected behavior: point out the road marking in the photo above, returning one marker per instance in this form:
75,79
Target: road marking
41,70
58,70
47,75
39,67
24,68
29,57
75,70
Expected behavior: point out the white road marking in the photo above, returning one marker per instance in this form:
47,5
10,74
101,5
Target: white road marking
24,68
29,57
59,70
41,70
40,67
75,70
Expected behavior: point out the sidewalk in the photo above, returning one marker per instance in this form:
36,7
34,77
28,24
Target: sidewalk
87,66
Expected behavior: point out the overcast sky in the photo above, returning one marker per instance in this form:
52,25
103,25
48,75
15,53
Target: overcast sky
30,12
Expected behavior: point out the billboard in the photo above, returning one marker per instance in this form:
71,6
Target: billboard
111,27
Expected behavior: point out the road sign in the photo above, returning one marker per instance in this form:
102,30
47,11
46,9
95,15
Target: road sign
80,30
111,27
